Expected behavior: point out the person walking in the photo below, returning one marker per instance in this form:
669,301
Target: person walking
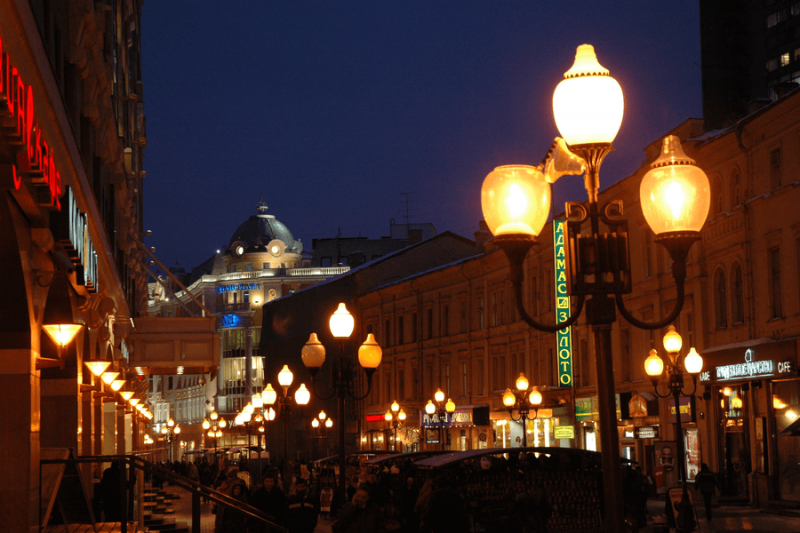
359,515
706,483
271,500
229,519
302,512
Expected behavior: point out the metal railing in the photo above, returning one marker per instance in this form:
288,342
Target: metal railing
129,463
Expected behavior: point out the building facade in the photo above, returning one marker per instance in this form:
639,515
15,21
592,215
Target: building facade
71,165
456,328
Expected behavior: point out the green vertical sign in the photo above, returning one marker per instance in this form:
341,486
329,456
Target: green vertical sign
563,336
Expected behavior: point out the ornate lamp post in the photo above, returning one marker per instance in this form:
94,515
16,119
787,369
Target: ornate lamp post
169,430
284,412
675,198
214,426
523,400
692,364
343,373
322,425
441,412
396,417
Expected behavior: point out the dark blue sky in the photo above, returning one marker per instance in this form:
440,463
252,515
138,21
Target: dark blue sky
333,109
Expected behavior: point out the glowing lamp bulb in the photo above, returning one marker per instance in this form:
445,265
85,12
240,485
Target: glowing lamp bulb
370,353
450,406
302,396
268,395
535,397
673,341
515,200
653,365
342,322
693,362
430,408
438,396
509,400
285,377
522,382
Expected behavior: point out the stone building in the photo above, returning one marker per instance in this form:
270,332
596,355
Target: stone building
71,164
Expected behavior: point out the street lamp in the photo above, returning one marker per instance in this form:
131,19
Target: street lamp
692,364
675,199
169,431
322,425
441,412
343,373
523,400
284,412
214,424
396,417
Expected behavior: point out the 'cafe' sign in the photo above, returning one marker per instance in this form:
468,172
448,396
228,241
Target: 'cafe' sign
750,368
34,157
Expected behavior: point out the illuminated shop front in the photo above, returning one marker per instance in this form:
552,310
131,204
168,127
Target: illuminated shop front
753,397
465,429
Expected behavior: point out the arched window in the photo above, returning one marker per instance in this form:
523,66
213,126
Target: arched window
735,188
720,299
717,196
738,295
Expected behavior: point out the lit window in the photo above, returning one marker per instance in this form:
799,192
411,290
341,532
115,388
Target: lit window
784,59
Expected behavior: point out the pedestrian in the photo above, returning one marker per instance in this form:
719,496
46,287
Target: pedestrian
359,515
229,519
445,496
706,483
270,500
533,510
110,487
302,512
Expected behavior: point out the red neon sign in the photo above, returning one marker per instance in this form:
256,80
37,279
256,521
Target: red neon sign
35,161
375,418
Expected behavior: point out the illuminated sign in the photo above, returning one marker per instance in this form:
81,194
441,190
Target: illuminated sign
648,432
70,227
686,409
239,287
458,417
750,369
230,321
564,432
563,336
34,158
375,418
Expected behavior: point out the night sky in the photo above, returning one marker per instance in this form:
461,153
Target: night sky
333,109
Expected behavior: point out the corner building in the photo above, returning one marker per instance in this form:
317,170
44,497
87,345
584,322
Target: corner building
71,177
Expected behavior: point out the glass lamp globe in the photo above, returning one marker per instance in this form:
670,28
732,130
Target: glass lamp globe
329,423
323,415
450,406
177,430
653,365
588,103
222,423
370,353
206,424
109,377
213,416
388,416
438,396
170,422
401,415
693,362
302,395
271,414
430,408
285,377
315,423
395,406
62,334
126,394
342,322
268,395
522,382
535,397
97,367
673,341
257,401
515,200
675,193
313,352
509,400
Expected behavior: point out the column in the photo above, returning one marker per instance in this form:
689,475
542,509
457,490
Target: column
248,362
120,438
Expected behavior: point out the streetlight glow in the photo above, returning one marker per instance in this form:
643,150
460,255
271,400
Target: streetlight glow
342,322
515,199
370,353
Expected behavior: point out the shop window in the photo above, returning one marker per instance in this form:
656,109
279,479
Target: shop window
775,296
720,300
738,295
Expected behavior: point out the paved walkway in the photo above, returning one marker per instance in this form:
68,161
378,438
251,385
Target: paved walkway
733,518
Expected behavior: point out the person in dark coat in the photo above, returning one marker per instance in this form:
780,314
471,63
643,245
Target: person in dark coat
359,515
271,500
706,483
230,520
110,487
301,509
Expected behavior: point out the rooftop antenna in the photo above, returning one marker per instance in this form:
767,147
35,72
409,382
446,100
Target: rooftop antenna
408,212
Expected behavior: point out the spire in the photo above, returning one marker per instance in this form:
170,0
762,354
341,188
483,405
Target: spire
262,205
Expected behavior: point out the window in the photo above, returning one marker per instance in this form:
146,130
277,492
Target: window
738,295
413,327
400,333
429,322
775,168
401,385
246,297
464,379
248,267
235,297
737,200
480,313
785,59
169,383
775,296
720,300
265,265
387,330
446,320
772,64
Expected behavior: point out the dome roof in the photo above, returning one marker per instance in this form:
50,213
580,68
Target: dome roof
258,230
